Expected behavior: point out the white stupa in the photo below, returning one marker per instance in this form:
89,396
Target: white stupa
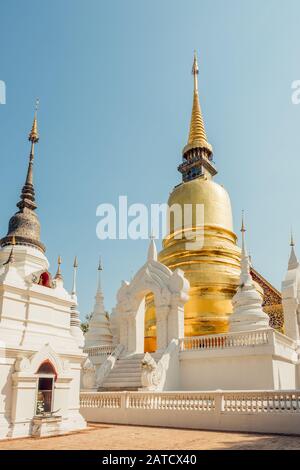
247,302
99,332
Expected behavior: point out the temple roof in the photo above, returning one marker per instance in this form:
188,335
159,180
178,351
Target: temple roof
272,300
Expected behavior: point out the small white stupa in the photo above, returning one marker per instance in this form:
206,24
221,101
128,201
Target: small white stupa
247,313
99,332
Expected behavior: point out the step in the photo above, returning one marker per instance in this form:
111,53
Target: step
119,389
127,369
122,380
126,362
122,385
125,374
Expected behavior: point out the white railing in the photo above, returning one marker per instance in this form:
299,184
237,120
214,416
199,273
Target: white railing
171,401
104,350
261,402
227,340
246,411
222,401
100,400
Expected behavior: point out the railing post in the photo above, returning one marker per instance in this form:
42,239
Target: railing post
124,403
219,401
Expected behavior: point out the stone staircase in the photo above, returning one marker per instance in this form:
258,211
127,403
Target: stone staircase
126,374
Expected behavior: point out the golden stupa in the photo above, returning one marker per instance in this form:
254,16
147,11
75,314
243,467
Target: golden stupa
213,265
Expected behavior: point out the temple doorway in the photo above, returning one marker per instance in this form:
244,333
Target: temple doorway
150,324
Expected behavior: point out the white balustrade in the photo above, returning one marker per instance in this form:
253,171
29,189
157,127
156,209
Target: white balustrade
171,401
245,411
261,402
100,400
225,341
104,350
227,402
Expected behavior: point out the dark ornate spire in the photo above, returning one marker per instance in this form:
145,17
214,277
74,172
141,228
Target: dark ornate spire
24,225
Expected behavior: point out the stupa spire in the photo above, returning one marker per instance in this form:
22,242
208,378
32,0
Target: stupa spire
99,332
293,260
100,269
24,225
75,266
197,135
197,153
28,195
58,274
243,230
152,250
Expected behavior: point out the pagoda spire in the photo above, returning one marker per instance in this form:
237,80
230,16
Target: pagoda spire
24,225
58,274
197,153
197,134
27,198
75,266
152,250
99,269
243,230
293,260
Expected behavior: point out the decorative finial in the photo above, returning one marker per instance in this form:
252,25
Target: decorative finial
99,269
75,266
243,230
195,72
152,250
34,135
58,274
292,243
152,235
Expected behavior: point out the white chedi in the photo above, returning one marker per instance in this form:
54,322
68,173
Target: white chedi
99,332
248,314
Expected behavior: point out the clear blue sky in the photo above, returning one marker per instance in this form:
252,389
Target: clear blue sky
115,89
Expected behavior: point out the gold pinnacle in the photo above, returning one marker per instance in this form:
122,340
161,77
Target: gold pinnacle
197,135
34,135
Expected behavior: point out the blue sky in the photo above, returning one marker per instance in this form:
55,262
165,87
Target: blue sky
115,89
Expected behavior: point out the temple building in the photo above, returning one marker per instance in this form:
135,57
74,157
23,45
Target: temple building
40,336
197,338
212,269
